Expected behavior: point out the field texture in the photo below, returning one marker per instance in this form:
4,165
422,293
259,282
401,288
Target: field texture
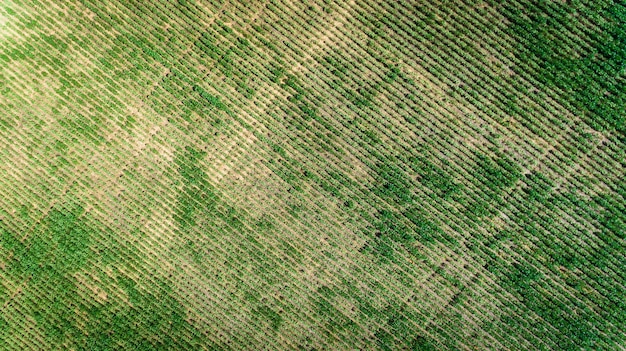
312,175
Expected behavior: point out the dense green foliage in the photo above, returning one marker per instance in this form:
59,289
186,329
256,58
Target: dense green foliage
572,324
592,77
48,260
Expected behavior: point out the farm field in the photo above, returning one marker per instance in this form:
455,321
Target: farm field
312,175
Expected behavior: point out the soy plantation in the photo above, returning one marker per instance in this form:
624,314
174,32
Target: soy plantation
312,175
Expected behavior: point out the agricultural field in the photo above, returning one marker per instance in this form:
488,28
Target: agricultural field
312,175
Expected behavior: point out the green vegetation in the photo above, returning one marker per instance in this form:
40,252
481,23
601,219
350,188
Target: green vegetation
318,175
62,247
591,77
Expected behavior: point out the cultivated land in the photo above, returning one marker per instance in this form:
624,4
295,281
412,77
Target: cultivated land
425,175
